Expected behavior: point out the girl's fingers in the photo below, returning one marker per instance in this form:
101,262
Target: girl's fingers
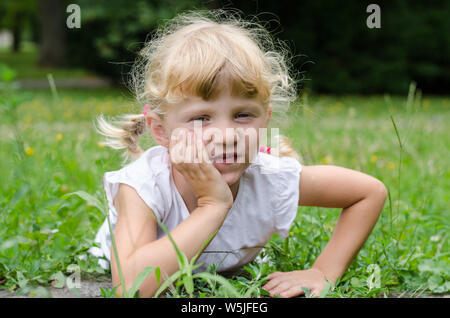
292,292
183,147
280,289
315,293
199,149
275,274
204,153
273,283
176,148
189,154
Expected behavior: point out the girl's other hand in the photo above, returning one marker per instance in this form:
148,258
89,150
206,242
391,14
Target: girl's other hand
189,156
289,284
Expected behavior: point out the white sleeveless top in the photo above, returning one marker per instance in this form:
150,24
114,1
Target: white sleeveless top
266,203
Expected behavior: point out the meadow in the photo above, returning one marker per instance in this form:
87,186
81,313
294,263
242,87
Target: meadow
49,149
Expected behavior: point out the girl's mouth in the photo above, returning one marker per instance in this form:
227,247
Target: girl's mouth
226,159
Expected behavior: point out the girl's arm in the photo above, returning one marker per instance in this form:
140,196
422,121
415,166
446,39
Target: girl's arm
136,226
361,198
135,237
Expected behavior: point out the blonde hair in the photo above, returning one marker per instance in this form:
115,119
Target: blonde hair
196,53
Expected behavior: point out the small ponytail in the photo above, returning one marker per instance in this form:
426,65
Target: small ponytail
132,126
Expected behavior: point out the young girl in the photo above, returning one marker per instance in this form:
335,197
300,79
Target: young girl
214,71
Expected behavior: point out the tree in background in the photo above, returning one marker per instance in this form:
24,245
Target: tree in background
341,55
112,32
15,16
52,51
331,42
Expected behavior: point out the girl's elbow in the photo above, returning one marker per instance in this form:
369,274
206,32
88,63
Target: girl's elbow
381,190
379,193
375,189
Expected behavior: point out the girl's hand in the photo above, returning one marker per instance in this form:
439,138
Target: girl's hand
189,156
289,284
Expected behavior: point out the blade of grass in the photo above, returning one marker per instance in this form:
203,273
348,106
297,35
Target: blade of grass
223,281
169,281
326,290
95,202
89,198
399,164
52,84
186,267
140,279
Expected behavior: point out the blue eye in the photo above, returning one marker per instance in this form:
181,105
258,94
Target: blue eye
198,118
203,118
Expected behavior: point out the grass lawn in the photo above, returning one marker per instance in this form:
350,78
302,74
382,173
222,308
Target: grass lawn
25,65
49,148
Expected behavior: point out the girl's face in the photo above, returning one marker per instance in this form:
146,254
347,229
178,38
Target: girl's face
214,117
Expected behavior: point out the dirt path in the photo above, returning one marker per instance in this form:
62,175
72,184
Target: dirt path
88,82
88,289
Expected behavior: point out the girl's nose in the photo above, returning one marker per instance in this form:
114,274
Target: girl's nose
226,136
222,140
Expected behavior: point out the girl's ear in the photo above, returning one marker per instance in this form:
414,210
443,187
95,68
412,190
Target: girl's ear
157,129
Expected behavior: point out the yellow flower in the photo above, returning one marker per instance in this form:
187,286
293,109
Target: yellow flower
391,165
373,158
29,151
327,159
101,145
59,136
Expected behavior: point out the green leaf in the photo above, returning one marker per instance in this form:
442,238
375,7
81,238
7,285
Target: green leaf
90,199
140,279
21,280
194,259
219,279
181,257
249,291
435,267
14,241
326,290
158,275
306,291
109,293
73,268
167,283
6,74
60,280
437,285
188,283
355,282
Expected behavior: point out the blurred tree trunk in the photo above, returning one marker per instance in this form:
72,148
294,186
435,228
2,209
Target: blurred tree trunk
17,32
53,29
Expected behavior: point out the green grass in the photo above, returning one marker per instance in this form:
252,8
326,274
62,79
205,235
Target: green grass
50,149
25,65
